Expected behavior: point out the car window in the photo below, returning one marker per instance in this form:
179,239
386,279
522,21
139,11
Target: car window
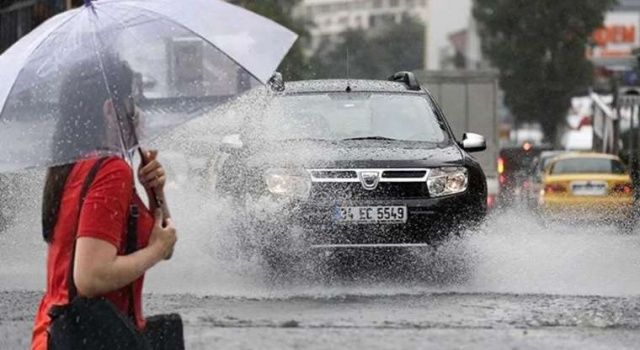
587,166
545,162
337,116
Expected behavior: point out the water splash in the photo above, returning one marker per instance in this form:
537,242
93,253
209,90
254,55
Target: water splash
512,253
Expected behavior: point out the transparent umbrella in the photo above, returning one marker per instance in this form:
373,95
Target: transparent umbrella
101,79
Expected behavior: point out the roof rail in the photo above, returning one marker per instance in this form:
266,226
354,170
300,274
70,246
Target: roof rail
408,78
276,82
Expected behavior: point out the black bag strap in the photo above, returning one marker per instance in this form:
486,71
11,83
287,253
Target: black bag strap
73,291
132,233
132,228
132,245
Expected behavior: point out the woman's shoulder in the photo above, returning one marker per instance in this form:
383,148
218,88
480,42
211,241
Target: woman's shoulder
115,163
111,166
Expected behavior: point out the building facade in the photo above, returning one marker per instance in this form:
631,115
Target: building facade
463,50
328,18
628,5
19,17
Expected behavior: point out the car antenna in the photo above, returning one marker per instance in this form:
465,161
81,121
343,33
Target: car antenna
348,73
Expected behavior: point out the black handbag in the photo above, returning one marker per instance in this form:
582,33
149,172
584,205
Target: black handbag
95,323
165,332
92,324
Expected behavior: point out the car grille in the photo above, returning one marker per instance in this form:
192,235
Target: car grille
347,184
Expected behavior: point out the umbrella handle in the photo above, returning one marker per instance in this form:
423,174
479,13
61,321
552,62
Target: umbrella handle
157,198
161,203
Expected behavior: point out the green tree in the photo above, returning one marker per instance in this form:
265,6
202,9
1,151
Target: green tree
295,65
396,47
539,47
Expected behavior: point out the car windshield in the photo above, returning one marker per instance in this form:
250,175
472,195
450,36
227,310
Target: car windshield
587,166
345,116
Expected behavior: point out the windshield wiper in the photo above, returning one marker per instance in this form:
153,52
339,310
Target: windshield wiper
370,138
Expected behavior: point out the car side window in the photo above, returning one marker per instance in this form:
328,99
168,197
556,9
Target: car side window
618,167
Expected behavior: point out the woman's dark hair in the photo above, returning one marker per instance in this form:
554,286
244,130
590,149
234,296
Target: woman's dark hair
83,92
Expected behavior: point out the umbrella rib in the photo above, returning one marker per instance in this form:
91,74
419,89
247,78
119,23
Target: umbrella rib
124,27
194,33
138,23
123,144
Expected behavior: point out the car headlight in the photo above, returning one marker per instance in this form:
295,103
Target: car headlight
446,181
284,182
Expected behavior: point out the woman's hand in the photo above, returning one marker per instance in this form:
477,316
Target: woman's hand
164,235
152,175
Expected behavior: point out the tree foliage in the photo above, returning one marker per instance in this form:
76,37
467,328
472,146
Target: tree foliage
373,56
295,65
539,47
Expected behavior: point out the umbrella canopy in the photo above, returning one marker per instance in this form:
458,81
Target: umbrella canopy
102,78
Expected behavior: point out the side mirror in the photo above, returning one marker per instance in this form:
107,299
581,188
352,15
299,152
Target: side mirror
276,82
473,142
145,82
232,143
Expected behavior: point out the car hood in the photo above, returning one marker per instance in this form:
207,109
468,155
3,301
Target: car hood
355,154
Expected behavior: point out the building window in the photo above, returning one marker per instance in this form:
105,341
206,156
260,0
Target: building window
394,3
383,19
357,21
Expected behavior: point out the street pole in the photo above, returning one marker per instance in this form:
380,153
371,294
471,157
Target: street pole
633,159
616,121
633,150
636,166
633,135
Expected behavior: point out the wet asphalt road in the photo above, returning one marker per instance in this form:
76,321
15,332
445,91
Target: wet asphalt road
418,321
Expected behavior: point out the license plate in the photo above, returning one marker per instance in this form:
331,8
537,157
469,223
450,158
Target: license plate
589,188
372,215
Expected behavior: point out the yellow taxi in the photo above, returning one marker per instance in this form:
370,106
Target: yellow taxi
587,186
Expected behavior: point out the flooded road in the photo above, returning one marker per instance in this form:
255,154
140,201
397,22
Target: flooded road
394,321
514,284
443,320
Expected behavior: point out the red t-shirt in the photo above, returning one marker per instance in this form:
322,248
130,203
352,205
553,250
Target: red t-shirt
104,216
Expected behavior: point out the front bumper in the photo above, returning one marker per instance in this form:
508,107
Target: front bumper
605,208
428,219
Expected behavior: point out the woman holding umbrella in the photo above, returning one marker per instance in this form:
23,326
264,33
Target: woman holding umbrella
90,206
65,79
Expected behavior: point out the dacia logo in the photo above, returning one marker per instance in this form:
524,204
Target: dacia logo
369,179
